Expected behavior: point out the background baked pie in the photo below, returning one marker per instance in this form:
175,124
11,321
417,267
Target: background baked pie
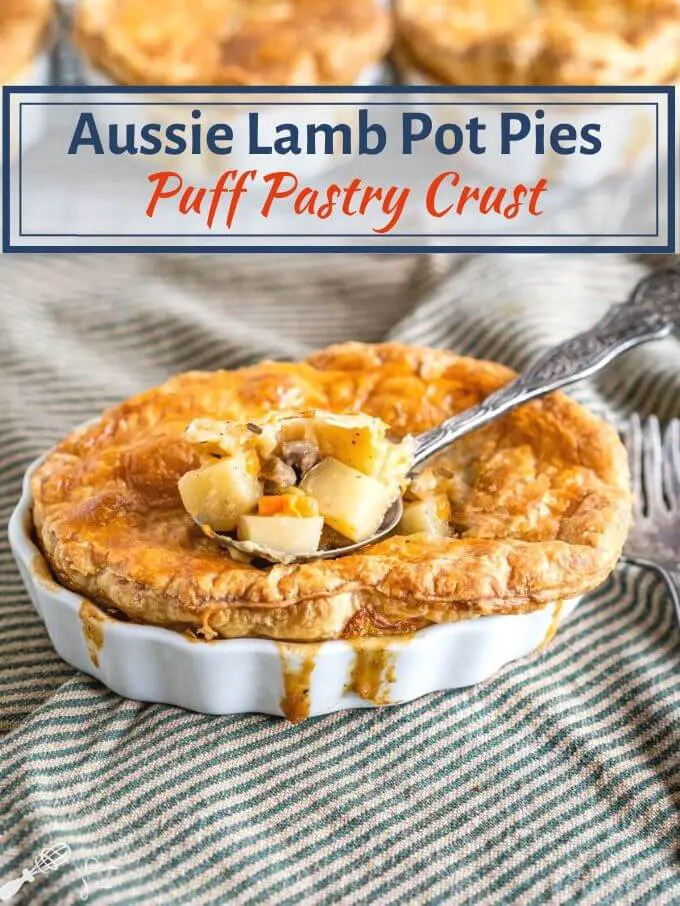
537,504
232,42
541,42
23,30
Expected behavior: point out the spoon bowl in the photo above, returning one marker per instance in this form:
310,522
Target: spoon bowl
249,549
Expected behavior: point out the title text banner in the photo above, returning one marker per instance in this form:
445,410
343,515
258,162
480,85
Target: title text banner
127,169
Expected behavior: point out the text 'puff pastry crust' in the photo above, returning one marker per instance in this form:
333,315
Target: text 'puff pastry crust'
540,504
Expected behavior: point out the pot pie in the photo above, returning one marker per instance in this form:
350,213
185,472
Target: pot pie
24,26
232,42
540,42
528,510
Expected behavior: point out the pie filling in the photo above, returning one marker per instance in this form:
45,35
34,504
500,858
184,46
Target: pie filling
296,483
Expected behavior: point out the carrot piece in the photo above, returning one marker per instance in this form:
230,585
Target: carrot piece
271,506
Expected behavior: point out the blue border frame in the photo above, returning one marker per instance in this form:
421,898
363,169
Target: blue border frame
5,169
668,91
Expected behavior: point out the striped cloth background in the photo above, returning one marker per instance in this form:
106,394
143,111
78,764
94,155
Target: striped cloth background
557,781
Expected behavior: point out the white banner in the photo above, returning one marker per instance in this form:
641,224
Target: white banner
125,169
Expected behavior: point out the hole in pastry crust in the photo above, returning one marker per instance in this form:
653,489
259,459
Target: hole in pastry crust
297,482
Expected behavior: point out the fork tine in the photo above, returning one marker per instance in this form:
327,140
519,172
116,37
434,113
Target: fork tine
671,464
652,469
633,439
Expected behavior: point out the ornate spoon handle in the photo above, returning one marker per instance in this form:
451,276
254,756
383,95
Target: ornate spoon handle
651,312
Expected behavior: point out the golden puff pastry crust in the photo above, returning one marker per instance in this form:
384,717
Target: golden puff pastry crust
23,29
233,42
540,504
542,42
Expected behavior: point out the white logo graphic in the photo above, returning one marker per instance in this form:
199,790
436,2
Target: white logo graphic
50,859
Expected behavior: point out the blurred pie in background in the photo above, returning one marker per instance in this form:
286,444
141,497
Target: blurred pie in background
233,42
25,59
539,42
24,27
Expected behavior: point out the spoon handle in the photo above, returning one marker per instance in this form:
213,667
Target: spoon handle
650,313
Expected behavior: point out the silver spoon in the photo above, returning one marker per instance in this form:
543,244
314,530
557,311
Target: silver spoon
651,313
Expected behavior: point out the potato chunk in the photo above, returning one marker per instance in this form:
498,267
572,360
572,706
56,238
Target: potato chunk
351,502
396,464
227,438
429,516
287,534
220,492
356,440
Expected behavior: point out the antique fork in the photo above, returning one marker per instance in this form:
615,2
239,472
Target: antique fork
654,540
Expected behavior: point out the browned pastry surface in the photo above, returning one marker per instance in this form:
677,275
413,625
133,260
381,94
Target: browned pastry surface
23,26
543,42
540,504
232,42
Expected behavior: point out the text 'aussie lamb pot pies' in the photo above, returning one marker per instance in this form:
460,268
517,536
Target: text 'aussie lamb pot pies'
547,43
25,41
502,533
222,43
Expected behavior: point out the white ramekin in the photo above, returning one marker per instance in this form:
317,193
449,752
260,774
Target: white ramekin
296,680
629,148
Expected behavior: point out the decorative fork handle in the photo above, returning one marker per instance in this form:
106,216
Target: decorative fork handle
651,312
669,575
672,577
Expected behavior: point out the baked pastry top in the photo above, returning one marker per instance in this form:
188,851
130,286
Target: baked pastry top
23,26
542,42
539,504
232,42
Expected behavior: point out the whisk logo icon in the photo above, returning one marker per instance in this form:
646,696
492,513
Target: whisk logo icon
89,870
49,859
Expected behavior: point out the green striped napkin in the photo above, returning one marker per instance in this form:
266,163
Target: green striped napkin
557,781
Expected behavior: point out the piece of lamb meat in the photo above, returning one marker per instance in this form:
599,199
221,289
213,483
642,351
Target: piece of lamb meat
300,455
278,475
